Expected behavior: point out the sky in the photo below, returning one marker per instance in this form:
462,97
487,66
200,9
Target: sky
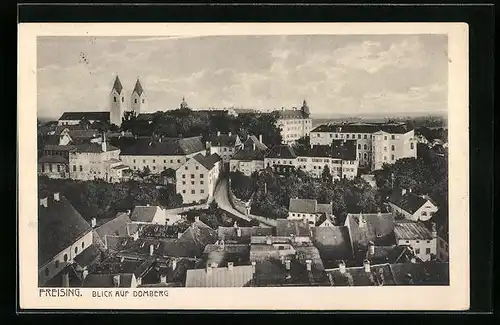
338,75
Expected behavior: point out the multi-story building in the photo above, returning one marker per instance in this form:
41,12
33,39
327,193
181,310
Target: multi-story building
250,157
294,124
376,143
74,118
225,145
196,178
161,154
412,206
63,234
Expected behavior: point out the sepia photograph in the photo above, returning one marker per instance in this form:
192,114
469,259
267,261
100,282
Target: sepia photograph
249,160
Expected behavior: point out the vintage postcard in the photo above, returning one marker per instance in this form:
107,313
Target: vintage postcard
244,166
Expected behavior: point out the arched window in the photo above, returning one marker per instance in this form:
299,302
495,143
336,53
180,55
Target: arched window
143,101
76,250
135,100
65,257
83,244
123,99
57,264
114,99
365,147
359,146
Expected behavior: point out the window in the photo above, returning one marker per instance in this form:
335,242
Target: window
144,161
318,135
81,168
164,167
193,191
134,161
201,182
57,264
183,191
186,167
347,136
417,250
192,175
411,146
192,182
336,135
135,167
225,149
385,137
143,101
171,161
359,136
364,136
154,161
178,160
65,257
385,148
76,250
407,241
331,135
366,156
83,244
427,251
418,241
46,272
424,213
392,157
385,157
123,99
50,167
43,168
202,191
428,242
359,146
114,99
183,175
135,100
183,182
154,167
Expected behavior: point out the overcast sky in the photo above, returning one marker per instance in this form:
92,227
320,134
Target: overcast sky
345,74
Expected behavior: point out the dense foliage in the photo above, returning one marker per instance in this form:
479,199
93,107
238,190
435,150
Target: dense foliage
215,217
188,123
241,185
103,200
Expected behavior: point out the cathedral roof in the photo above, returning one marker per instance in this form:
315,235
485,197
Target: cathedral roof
138,88
118,85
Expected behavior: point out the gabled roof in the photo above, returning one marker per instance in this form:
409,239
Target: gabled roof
281,151
92,148
90,116
223,140
86,258
165,147
117,85
344,149
409,201
220,277
161,231
326,208
116,226
247,152
138,88
393,128
230,234
273,273
57,147
239,254
144,213
377,228
409,230
59,226
286,227
197,236
207,161
429,273
389,254
303,206
106,280
291,114
333,244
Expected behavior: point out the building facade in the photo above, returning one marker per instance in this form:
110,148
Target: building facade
250,157
294,124
412,206
225,145
196,178
418,237
138,99
376,143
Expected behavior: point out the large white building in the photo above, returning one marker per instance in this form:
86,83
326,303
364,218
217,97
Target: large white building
294,124
340,157
250,157
308,210
196,178
418,237
376,143
160,154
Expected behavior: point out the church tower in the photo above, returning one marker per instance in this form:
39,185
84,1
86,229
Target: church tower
305,109
184,104
117,102
138,100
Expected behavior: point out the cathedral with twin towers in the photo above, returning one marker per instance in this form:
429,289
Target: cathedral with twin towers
119,101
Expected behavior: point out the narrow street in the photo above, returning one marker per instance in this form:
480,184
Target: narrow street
222,198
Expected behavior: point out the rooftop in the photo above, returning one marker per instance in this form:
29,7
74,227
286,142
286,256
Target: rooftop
144,213
88,257
291,114
389,254
408,201
286,227
429,273
163,147
220,277
91,116
223,140
393,128
333,244
219,254
247,151
107,280
230,234
357,276
116,226
374,227
207,161
53,160
281,151
59,226
411,231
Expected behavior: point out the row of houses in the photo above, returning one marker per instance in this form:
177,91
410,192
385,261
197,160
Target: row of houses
134,249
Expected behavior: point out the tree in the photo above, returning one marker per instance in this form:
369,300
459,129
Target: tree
326,176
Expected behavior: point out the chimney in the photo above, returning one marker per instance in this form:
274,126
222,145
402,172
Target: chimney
230,266
434,230
159,139
238,232
65,280
56,196
93,222
123,133
139,280
309,265
174,265
179,234
218,133
213,265
366,265
403,191
128,212
268,240
135,236
163,278
116,280
85,273
235,225
209,269
371,248
151,249
253,146
229,134
122,259
197,218
287,264
362,221
253,267
208,144
409,278
342,267
44,202
379,214
409,190
260,138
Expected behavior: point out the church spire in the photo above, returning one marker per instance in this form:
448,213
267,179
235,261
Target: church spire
305,109
117,85
138,88
184,105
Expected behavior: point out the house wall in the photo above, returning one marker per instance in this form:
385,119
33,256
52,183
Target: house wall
156,164
422,248
293,129
54,170
92,165
117,106
426,211
138,103
327,223
246,167
70,253
310,217
442,250
194,182
226,153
